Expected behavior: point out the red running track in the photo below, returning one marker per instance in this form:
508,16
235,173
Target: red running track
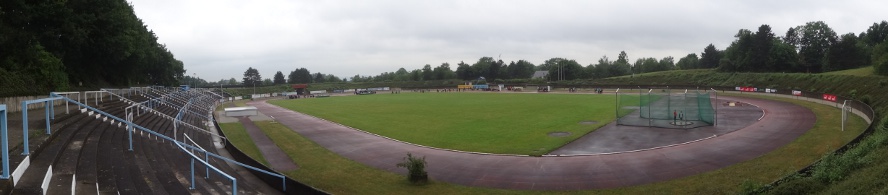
783,123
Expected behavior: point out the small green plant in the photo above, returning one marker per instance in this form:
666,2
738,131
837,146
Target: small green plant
416,173
750,187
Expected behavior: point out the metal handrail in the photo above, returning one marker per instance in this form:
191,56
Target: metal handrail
132,126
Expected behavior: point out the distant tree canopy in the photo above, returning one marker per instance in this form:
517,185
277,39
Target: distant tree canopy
813,48
55,45
252,77
279,78
300,75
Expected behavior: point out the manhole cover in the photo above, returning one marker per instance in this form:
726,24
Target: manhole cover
559,134
588,122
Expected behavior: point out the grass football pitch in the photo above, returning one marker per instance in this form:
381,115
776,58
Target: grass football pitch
502,123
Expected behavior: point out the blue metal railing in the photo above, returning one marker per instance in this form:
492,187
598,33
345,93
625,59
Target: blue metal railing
132,127
4,141
207,164
50,114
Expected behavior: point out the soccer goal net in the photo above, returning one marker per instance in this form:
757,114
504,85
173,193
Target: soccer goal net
666,108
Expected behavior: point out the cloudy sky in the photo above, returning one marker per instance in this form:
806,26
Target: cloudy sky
219,39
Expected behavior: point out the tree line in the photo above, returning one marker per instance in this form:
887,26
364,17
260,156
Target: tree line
251,77
812,48
59,45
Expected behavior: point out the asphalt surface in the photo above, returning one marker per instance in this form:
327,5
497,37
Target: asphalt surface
614,138
781,124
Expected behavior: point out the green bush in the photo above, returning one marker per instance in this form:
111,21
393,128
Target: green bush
835,167
416,173
750,187
798,186
867,99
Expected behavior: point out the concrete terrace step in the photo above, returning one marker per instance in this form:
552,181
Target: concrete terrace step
65,166
33,177
87,170
91,154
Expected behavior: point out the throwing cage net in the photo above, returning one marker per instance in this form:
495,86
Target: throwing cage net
665,108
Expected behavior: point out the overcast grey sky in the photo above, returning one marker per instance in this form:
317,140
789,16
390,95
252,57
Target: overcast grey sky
219,39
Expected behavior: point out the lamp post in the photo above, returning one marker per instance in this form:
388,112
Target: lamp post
194,80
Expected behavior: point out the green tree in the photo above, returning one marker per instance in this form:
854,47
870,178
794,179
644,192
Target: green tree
496,70
443,72
876,34
252,77
483,68
762,42
416,75
465,72
319,78
88,42
846,53
621,66
688,62
279,78
880,59
564,69
710,57
401,75
601,70
737,54
667,63
427,73
520,70
637,66
300,75
784,58
332,78
645,65
291,78
814,41
792,37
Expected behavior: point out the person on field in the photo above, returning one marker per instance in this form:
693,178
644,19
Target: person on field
674,116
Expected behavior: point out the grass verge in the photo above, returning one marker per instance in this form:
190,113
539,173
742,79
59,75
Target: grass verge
323,169
237,135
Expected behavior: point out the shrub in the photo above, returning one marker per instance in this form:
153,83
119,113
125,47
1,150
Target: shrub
750,187
866,99
416,173
835,167
798,186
